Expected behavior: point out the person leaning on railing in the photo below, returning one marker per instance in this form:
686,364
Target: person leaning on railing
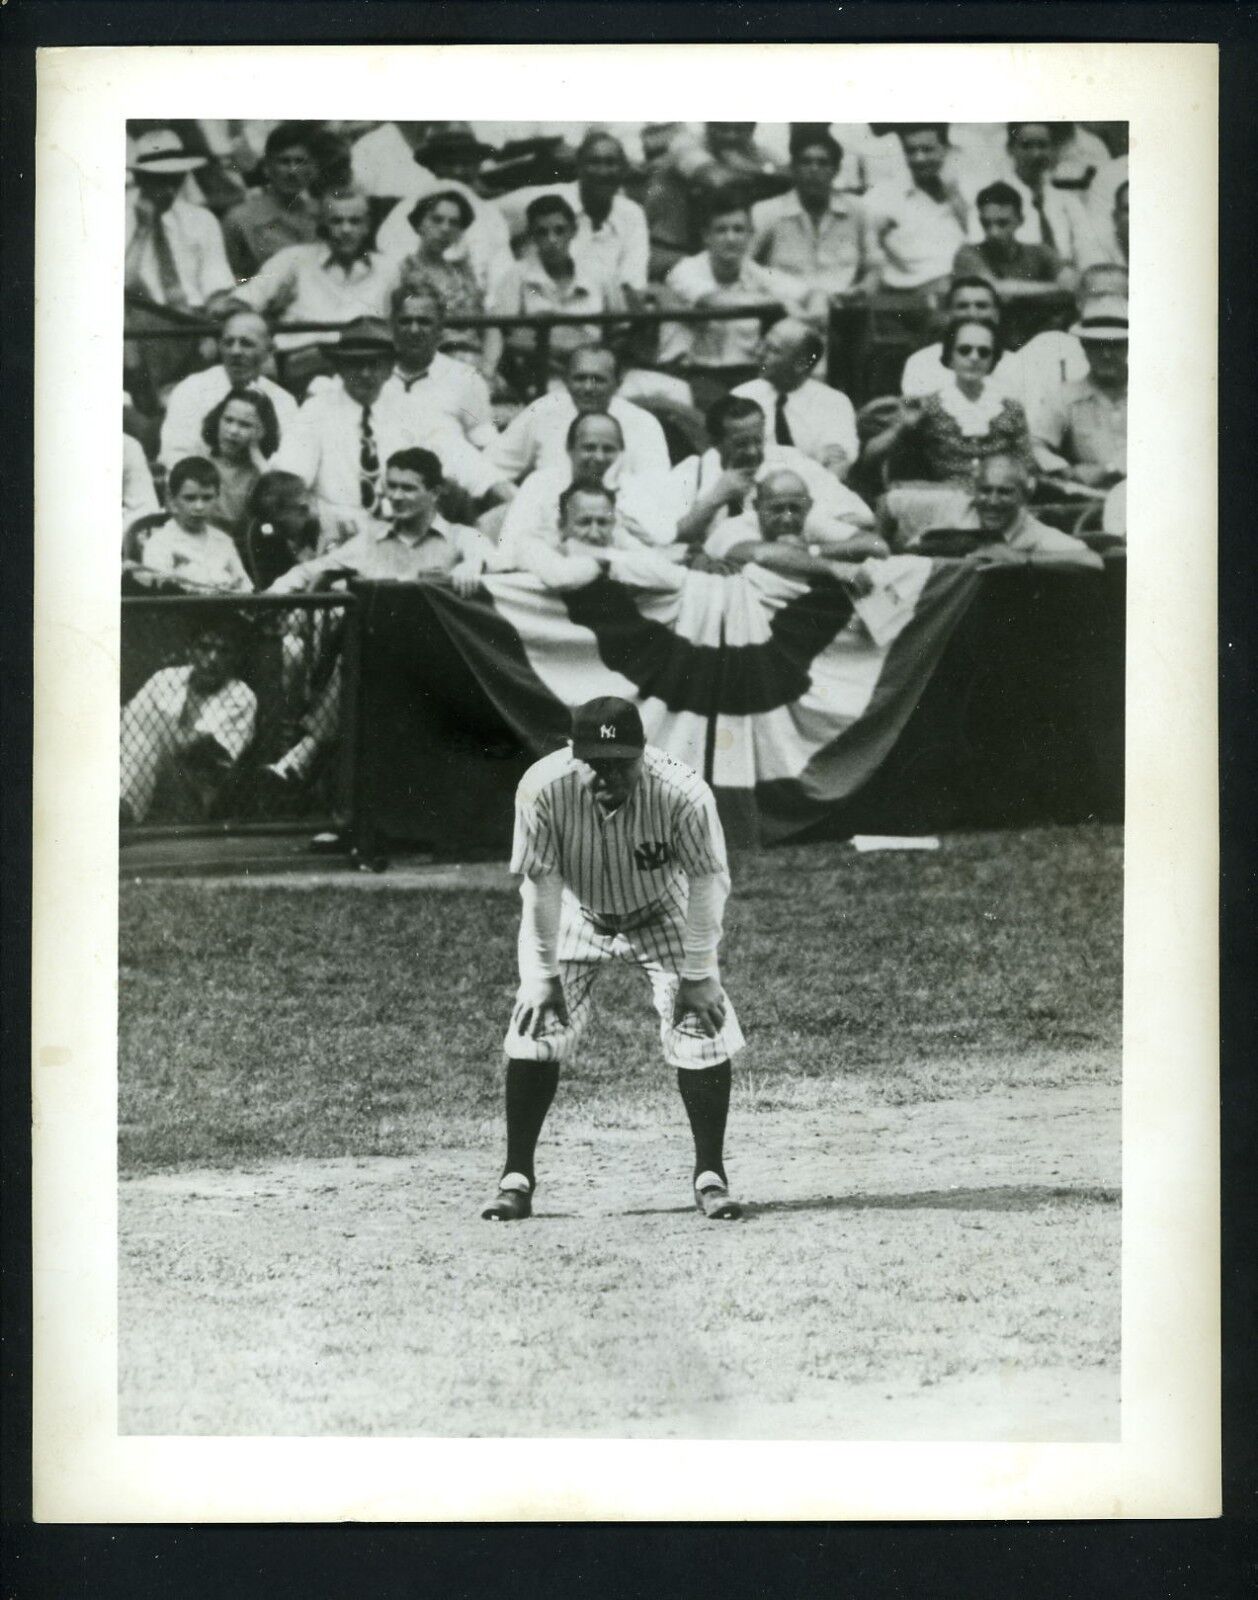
997,530
591,543
705,490
595,456
414,543
773,533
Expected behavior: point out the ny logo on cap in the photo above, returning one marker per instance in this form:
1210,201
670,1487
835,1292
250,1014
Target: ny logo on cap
607,730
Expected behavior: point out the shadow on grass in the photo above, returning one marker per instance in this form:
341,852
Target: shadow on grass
997,1197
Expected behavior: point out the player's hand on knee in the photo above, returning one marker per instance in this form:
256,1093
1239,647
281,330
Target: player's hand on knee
539,1001
703,999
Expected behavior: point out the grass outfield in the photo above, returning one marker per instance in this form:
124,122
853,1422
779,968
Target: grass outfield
265,1024
925,1127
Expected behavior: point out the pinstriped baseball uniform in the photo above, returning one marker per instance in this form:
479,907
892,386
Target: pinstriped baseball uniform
625,893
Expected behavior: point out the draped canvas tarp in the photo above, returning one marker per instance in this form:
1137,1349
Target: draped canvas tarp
786,697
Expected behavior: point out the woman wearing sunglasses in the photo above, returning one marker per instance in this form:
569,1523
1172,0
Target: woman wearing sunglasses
942,437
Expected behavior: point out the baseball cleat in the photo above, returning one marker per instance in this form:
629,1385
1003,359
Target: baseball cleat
512,1203
713,1198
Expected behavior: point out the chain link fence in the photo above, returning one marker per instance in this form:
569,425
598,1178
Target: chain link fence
237,715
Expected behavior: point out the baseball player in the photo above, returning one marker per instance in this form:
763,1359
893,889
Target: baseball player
621,857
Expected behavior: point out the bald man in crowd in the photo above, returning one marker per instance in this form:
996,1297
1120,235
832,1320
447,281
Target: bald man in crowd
244,348
772,534
1008,535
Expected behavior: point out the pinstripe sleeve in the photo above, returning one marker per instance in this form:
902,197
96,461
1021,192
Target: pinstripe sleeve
698,838
533,852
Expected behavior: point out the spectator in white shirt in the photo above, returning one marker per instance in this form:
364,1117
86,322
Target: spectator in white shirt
537,437
1051,216
708,489
968,300
386,162
774,535
592,544
1101,202
175,255
186,730
189,549
244,347
424,371
335,281
551,278
139,497
347,430
596,448
918,227
722,275
799,410
611,231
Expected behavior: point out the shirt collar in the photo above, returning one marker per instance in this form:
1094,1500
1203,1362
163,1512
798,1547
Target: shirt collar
836,207
366,255
438,528
533,272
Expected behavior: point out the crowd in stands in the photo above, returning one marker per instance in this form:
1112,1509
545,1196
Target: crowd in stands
335,368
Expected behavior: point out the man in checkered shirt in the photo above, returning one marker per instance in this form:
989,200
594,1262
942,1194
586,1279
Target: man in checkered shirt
621,856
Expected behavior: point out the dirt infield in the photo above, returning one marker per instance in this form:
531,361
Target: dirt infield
945,1270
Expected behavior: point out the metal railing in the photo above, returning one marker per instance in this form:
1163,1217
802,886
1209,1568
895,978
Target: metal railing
869,337
260,739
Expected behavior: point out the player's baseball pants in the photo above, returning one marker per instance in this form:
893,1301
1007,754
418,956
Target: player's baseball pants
656,945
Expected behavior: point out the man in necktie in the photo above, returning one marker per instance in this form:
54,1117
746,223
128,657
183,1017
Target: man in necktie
1033,153
803,413
363,358
174,258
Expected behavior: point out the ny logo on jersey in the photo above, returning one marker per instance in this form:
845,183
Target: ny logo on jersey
651,856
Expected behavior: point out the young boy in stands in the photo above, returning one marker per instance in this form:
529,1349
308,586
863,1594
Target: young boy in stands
189,548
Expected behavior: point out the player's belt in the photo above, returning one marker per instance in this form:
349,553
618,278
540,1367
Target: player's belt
610,923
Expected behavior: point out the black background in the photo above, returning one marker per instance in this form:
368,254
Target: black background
1202,1559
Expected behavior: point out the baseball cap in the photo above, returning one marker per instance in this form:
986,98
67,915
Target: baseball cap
607,727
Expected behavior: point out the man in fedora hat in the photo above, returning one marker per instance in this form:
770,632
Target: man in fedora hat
348,429
1081,433
621,857
174,254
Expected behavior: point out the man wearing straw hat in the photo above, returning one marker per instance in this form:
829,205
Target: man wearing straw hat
1081,435
175,255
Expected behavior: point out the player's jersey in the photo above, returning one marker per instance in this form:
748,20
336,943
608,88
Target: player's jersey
625,866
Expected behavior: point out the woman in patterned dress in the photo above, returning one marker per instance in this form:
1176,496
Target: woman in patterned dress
440,220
